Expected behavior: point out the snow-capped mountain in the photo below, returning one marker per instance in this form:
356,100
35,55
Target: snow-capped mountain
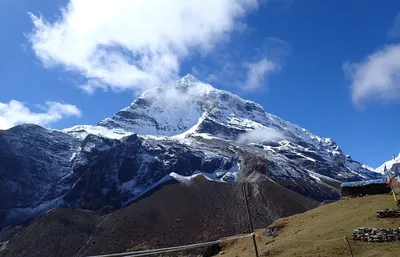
389,164
169,133
190,109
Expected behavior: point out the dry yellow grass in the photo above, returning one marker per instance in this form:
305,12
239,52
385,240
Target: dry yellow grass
313,233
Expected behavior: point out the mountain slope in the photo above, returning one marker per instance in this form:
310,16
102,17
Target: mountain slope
35,170
174,214
174,131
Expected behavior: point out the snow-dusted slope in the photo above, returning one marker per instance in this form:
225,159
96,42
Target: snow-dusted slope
176,107
168,110
82,131
189,108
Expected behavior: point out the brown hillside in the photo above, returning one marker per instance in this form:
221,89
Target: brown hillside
174,214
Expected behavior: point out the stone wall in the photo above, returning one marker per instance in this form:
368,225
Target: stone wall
377,234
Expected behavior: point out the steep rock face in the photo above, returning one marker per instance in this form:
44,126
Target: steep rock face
169,132
35,169
135,166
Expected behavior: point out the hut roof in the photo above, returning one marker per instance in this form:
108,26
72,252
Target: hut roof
363,183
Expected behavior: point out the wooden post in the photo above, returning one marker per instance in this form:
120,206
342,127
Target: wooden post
348,243
249,217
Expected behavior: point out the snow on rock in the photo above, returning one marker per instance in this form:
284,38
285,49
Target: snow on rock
3,245
82,131
168,110
186,180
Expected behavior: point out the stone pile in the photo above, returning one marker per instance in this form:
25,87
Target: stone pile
377,234
387,213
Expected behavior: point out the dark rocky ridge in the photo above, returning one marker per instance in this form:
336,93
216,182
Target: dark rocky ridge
141,161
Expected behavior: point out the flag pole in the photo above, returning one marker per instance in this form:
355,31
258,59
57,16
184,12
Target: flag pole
244,188
390,182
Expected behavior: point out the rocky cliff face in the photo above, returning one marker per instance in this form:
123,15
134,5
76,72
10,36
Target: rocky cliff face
35,169
167,135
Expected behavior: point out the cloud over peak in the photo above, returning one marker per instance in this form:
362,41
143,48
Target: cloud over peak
257,72
130,44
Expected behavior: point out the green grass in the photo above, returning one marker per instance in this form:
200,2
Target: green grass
312,233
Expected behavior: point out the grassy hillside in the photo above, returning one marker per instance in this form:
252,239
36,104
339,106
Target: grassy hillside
318,232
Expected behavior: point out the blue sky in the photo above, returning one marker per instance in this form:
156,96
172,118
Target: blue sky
332,67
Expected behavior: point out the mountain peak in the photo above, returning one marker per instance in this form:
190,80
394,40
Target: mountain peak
188,79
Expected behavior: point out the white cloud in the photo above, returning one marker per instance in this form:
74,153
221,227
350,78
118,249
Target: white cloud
377,78
172,95
276,49
265,134
257,72
15,112
133,44
394,30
